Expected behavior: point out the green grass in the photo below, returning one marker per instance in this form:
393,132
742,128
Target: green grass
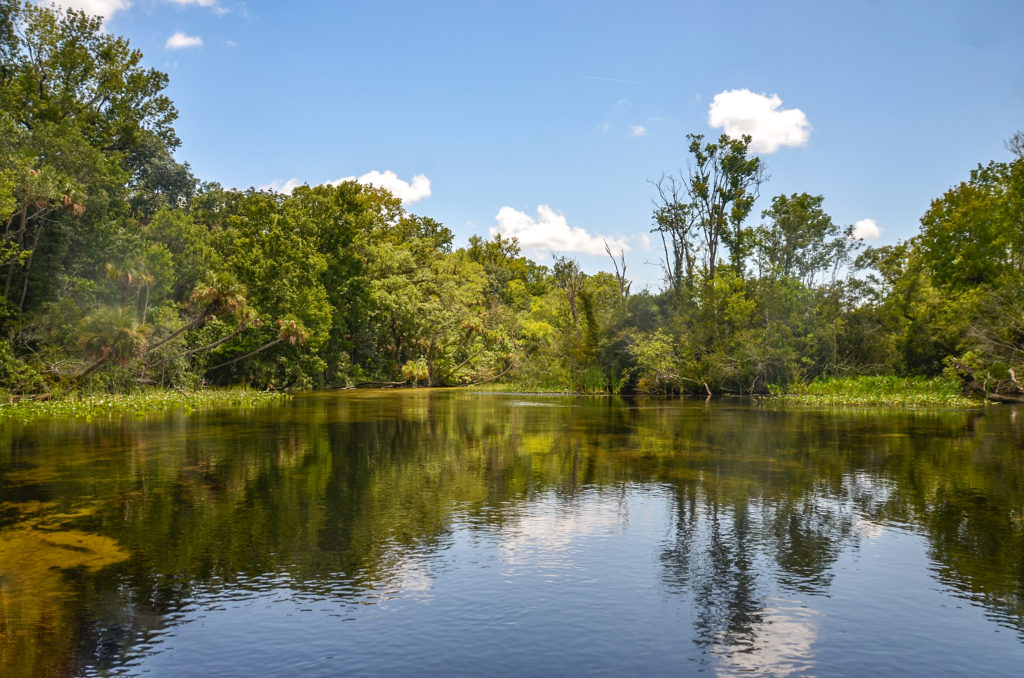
142,403
886,391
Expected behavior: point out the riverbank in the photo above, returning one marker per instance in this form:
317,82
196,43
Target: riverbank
885,391
140,403
859,391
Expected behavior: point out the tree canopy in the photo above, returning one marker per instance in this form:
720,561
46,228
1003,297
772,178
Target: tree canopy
121,269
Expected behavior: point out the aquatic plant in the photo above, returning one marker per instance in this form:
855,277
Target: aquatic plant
140,403
878,390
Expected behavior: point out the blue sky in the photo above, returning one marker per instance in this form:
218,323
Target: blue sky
549,119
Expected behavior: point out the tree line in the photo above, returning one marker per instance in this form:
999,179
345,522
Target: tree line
123,269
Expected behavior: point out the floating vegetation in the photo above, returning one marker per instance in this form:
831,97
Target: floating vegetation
909,392
141,403
517,387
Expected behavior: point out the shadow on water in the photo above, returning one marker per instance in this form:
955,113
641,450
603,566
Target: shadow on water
114,532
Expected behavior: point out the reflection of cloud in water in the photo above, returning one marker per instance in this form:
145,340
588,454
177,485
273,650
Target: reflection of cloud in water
781,646
867,490
549,535
868,528
413,576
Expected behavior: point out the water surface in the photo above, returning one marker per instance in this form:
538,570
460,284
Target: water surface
444,532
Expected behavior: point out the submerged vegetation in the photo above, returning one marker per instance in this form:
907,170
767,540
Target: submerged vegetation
123,271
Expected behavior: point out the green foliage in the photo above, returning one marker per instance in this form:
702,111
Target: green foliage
881,390
974,234
799,240
656,365
121,271
138,404
416,371
704,211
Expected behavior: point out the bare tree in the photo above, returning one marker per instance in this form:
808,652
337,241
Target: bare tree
569,279
620,276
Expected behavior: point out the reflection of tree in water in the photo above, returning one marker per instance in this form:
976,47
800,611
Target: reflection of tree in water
951,476
717,554
343,498
977,543
806,535
710,559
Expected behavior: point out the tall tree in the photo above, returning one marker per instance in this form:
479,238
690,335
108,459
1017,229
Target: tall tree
799,240
78,106
719,190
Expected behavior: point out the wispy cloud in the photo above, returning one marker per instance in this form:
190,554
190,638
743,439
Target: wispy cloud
210,4
549,230
182,41
637,131
740,111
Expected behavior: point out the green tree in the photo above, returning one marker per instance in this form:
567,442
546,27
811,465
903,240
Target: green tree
974,234
800,240
79,105
705,210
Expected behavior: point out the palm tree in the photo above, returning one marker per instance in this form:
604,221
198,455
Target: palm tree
223,295
246,319
290,330
129,278
112,334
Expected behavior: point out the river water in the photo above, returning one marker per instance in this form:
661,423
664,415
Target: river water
439,532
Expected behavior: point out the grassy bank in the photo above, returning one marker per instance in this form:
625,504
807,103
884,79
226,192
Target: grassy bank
886,391
141,403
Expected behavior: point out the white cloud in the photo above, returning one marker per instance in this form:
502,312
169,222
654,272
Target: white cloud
403,190
740,111
101,8
637,131
866,229
212,4
278,186
180,41
550,231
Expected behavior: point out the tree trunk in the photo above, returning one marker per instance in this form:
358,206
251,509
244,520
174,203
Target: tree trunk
198,350
243,357
22,223
28,267
145,305
971,385
184,328
92,368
